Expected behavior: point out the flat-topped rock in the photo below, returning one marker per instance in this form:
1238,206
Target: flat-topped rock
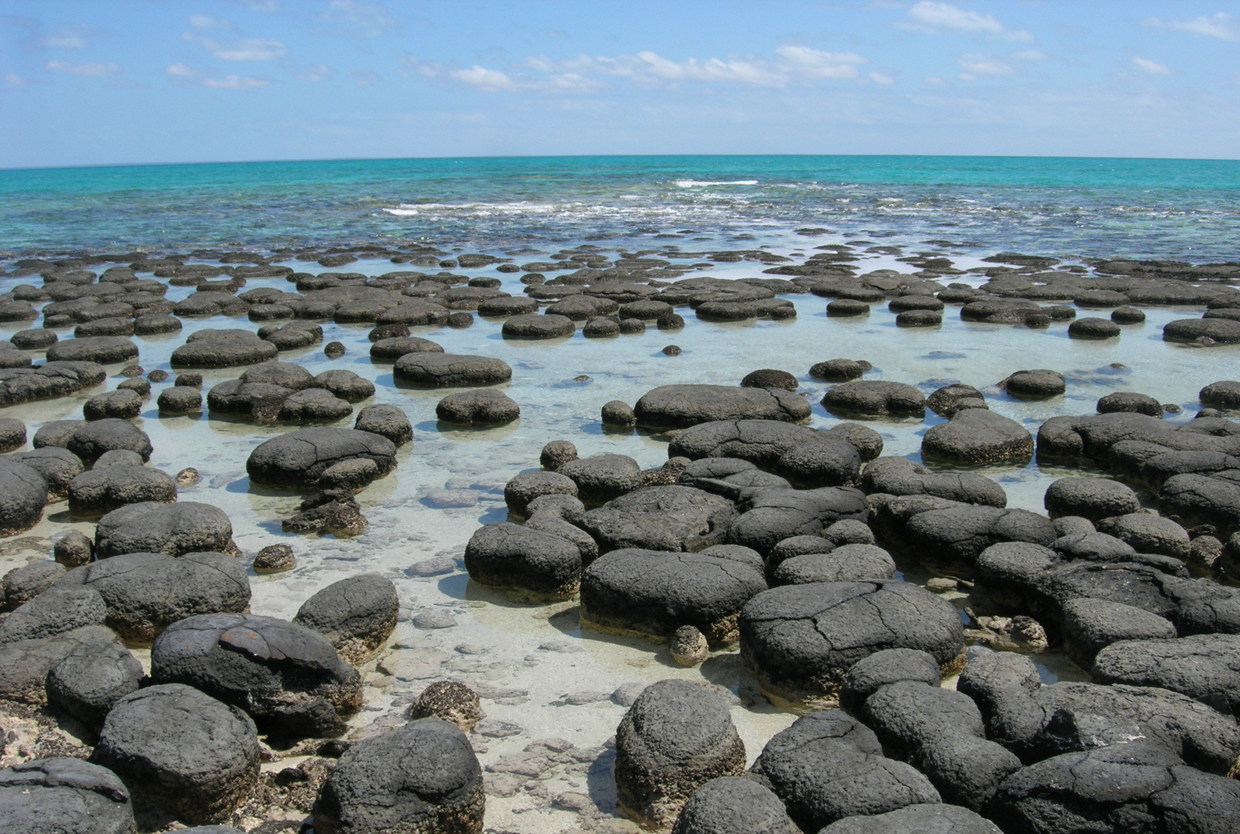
299,458
680,406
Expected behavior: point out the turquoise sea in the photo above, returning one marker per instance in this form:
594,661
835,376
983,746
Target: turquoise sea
1140,208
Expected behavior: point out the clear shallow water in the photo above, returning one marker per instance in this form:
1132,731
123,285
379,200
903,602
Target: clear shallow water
534,665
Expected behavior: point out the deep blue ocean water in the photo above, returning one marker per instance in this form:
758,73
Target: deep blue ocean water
1137,208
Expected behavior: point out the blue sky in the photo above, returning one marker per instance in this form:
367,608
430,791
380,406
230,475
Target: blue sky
88,82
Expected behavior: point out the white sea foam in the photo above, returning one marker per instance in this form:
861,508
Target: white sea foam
705,183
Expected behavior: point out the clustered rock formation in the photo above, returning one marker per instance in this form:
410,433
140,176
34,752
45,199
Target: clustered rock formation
759,533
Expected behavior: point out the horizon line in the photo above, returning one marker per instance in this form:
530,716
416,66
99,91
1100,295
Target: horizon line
600,156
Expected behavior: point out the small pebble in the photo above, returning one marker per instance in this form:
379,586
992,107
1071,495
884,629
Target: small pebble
434,619
274,558
188,476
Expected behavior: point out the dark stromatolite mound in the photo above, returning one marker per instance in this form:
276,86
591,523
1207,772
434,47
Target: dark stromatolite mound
176,528
532,562
1129,401
1093,327
523,488
356,614
1092,498
1025,578
51,379
828,766
106,350
1211,331
601,478
146,592
421,777
1148,533
870,674
1037,721
538,326
680,406
103,489
768,516
949,399
450,369
941,733
675,737
1224,394
90,440
1039,384
653,592
1126,786
289,678
800,640
845,563
1202,666
949,537
839,370
978,436
312,405
90,679
901,476
393,347
24,664
123,403
675,518
66,796
12,434
223,349
298,459
386,421
485,406
180,751
936,817
734,805
875,398
23,494
1090,625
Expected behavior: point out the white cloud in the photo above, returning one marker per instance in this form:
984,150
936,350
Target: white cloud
928,16
1030,55
91,69
180,71
260,5
12,79
1221,25
881,78
1150,67
235,82
487,80
240,49
812,62
205,21
975,64
73,37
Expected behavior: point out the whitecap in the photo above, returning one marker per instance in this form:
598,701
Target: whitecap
705,183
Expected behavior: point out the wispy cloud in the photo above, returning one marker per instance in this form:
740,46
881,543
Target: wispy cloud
1221,25
180,71
352,17
235,82
586,73
237,48
1150,67
932,17
976,65
68,37
12,79
260,5
90,69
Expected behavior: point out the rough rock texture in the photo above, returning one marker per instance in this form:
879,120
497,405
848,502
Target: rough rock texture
64,796
1090,625
146,592
482,407
680,406
660,518
288,678
1130,786
24,664
54,611
444,369
529,561
1202,666
386,421
875,398
901,476
90,679
1038,721
23,492
675,737
976,436
800,640
768,516
734,805
928,818
420,778
452,701
180,750
299,458
101,490
828,766
149,526
52,379
1092,498
357,614
652,592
